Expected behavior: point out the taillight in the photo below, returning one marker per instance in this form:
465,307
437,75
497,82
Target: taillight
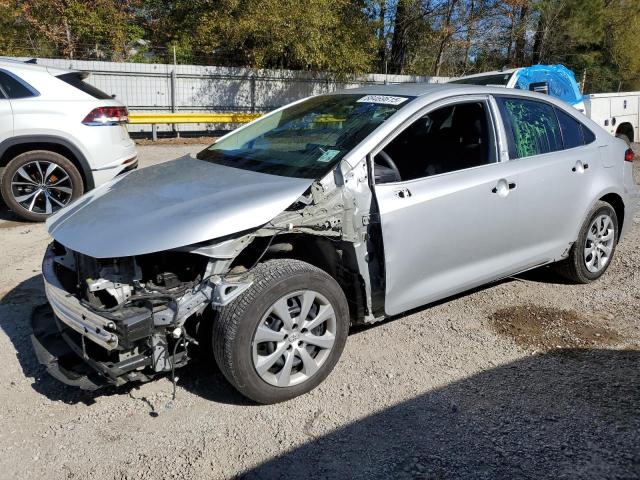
629,155
106,116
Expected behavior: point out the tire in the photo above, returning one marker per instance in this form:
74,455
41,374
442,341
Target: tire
622,136
575,268
239,352
34,198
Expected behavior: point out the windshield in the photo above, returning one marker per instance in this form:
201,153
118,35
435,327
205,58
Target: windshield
499,79
306,139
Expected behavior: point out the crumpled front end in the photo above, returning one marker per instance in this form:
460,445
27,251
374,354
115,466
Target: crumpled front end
116,320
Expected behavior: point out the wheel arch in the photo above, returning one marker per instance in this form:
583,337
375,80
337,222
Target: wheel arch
625,128
617,203
335,257
12,147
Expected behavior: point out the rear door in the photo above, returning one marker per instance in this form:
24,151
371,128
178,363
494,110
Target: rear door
555,166
447,223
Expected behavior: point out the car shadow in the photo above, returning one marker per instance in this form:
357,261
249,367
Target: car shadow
16,307
566,414
6,214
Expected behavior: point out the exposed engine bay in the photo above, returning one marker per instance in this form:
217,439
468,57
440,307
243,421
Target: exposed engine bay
133,317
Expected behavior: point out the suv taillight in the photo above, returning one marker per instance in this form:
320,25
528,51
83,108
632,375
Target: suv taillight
107,116
629,155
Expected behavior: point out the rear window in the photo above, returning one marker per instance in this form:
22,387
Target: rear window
76,79
14,87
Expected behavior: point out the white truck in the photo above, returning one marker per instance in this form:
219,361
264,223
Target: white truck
618,113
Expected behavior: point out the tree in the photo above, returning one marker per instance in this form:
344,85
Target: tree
91,28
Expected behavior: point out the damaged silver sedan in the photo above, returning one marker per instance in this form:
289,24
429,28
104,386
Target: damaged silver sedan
337,210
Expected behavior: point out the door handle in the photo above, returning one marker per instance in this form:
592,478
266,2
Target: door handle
502,187
402,193
580,167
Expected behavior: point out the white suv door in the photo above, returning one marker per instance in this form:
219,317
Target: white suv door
447,225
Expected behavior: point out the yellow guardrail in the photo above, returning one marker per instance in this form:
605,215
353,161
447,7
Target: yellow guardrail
179,117
183,117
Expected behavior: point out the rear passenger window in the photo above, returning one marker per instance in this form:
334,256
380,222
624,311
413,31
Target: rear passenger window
532,127
588,135
572,135
14,88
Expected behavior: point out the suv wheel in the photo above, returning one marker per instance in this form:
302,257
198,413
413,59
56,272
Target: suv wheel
39,183
592,253
283,336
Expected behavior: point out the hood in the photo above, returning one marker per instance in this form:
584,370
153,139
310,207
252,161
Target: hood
171,205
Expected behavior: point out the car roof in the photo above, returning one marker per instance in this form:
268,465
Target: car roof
405,89
21,65
430,89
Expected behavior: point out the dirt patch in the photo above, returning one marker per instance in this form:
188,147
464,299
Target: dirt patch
544,328
176,141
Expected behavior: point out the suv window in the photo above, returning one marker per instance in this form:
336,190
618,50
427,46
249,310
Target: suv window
532,127
454,137
76,79
12,87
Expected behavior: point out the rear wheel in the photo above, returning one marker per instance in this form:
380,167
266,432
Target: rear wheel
283,336
37,184
592,253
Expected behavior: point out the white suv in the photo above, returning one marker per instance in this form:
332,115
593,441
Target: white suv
59,137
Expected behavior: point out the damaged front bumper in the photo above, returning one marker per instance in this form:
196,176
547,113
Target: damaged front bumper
90,349
60,350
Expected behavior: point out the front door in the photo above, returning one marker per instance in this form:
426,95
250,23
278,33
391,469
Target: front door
446,204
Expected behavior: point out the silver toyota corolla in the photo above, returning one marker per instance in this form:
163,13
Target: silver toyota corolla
336,210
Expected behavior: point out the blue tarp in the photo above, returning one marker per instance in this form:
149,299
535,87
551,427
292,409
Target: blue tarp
562,82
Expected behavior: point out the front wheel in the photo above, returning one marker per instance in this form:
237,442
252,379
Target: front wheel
283,336
592,253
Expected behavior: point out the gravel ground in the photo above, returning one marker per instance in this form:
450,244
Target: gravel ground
528,378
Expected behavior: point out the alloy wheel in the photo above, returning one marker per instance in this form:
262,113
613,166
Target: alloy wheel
42,187
294,338
599,243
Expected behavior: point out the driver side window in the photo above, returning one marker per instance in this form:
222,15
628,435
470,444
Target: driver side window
450,138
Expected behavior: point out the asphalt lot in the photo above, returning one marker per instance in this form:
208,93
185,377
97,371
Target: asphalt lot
528,378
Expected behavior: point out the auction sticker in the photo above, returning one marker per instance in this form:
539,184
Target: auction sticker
383,99
328,155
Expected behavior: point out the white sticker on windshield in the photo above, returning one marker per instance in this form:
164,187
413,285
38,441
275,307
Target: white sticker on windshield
383,99
328,155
